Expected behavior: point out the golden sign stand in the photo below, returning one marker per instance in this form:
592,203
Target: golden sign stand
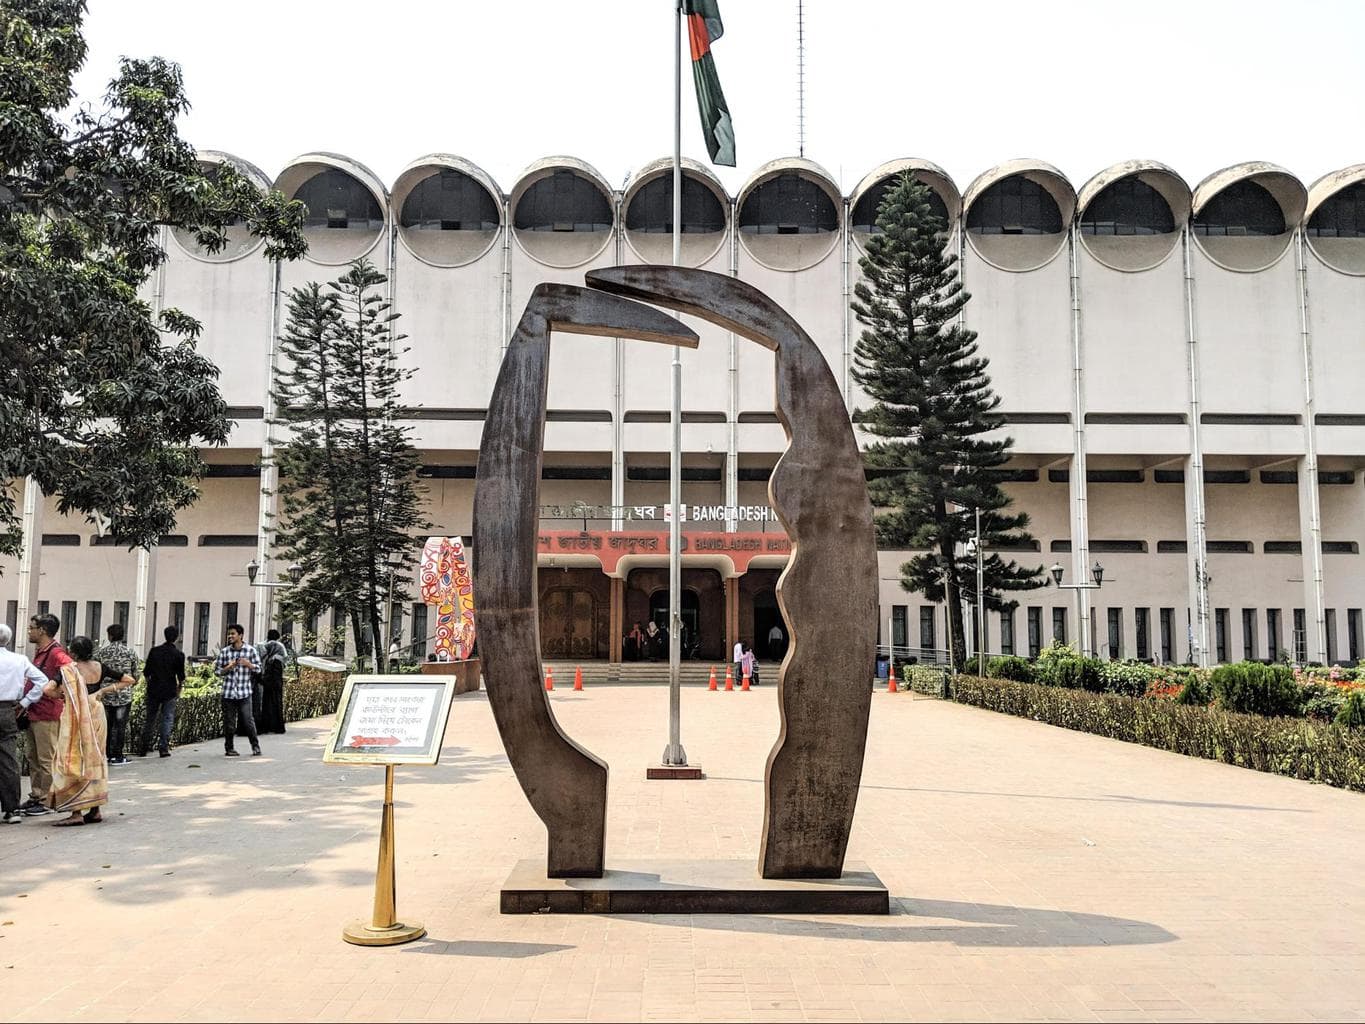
384,928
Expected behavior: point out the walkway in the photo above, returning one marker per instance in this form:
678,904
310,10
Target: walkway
1036,874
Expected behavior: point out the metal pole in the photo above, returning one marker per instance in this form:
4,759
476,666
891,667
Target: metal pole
980,602
675,754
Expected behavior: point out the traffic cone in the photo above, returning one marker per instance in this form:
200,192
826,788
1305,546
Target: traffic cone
549,677
729,679
745,687
712,684
891,680
578,677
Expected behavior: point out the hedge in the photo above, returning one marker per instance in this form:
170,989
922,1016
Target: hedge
199,711
1298,747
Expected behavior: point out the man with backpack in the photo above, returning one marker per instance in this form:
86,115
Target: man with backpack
274,657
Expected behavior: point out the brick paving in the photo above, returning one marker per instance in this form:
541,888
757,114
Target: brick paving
1036,874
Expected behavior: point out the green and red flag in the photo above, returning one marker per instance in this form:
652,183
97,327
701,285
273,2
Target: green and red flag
703,29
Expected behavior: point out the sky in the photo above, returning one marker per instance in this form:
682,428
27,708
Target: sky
1198,84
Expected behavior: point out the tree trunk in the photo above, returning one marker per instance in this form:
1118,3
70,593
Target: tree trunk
952,596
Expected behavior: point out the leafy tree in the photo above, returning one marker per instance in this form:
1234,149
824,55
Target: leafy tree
104,400
935,411
350,502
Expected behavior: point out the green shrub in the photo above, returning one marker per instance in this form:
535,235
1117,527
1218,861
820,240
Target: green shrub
1129,678
1299,748
1195,692
1253,688
1010,667
1352,713
926,679
1322,701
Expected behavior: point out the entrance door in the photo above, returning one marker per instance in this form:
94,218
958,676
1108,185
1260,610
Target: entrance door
767,618
691,616
568,623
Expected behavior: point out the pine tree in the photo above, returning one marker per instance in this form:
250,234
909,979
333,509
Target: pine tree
350,502
935,411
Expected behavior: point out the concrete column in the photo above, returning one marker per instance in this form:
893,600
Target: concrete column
268,505
1080,514
30,559
142,631
1310,534
731,615
616,617
1310,510
1196,526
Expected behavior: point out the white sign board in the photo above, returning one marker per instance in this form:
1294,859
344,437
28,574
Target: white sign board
391,720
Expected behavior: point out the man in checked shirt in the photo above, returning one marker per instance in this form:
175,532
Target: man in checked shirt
236,663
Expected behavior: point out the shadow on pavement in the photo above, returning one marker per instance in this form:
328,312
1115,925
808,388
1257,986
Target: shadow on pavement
971,925
479,947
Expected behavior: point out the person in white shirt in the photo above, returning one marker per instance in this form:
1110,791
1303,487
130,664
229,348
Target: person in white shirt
16,675
739,660
775,642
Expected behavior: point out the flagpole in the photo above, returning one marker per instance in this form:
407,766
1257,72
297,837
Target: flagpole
674,754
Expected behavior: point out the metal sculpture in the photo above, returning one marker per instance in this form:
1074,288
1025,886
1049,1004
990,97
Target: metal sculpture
445,584
566,785
827,593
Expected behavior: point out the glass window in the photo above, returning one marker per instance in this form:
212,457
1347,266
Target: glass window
1353,633
899,626
69,620
1015,206
1059,624
1341,216
1243,208
788,205
419,630
1143,625
1167,635
1035,632
177,619
1128,207
121,613
865,209
12,617
337,200
201,628
1331,636
1007,632
449,201
1249,645
1272,634
651,208
1220,629
94,611
563,201
1300,636
927,640
44,607
338,638
229,617
1115,622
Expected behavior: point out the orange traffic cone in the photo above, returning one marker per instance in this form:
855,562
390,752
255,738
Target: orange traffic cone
578,677
712,684
729,679
549,677
745,687
891,680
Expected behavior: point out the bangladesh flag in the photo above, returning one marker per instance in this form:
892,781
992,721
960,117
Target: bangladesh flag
704,28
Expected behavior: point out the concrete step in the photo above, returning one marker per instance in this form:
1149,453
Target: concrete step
642,673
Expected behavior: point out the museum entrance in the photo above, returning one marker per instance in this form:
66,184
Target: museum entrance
703,608
573,614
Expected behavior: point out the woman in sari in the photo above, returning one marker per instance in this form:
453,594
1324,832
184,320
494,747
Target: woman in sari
80,776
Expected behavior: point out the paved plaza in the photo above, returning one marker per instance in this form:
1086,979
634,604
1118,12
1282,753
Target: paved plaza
1035,874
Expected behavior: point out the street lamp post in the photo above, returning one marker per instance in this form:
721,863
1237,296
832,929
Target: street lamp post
1097,573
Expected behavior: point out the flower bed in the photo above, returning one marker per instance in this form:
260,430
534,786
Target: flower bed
1301,748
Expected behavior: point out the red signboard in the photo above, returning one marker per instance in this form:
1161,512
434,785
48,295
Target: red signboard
609,546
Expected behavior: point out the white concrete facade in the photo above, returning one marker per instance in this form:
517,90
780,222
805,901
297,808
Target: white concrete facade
1180,370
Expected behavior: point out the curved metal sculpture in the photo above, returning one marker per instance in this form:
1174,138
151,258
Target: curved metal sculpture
827,593
566,785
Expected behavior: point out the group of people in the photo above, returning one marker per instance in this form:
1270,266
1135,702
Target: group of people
74,701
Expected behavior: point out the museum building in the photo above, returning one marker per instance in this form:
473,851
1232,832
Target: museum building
1180,370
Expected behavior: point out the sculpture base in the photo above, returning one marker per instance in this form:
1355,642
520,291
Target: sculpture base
362,933
691,887
674,771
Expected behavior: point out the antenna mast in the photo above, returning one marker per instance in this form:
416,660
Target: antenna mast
800,78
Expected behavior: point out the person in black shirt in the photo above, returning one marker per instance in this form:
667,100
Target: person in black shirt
165,674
